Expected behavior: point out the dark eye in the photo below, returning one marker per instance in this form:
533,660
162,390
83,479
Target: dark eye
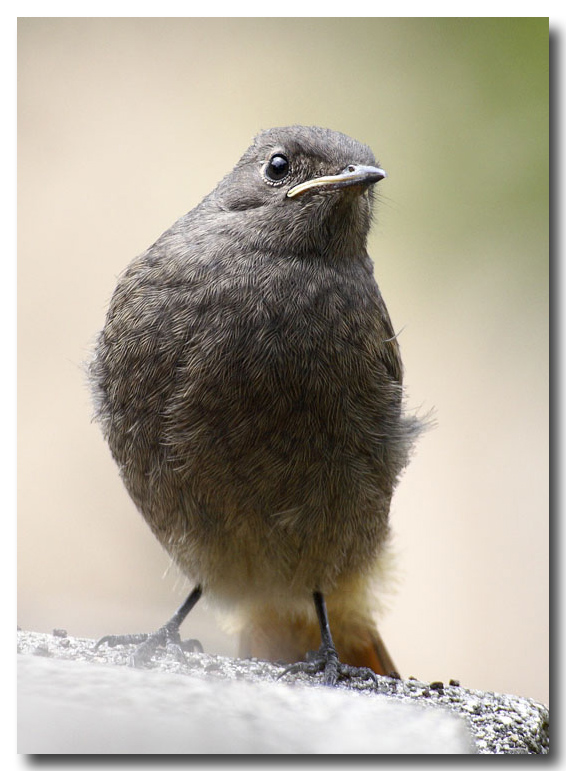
277,168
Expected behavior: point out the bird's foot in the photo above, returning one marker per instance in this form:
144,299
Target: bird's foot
326,661
167,637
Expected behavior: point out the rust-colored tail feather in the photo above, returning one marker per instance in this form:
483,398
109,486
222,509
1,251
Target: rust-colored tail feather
373,654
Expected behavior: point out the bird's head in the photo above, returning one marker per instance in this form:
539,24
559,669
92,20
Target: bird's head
306,189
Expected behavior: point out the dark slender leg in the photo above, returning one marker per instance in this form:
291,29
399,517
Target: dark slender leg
181,613
326,660
168,635
327,648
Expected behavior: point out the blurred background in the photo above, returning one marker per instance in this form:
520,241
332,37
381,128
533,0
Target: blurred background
124,124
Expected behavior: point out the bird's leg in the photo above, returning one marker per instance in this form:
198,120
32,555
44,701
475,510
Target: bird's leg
167,636
327,651
326,659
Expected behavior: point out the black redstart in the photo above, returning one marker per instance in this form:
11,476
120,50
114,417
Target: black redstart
249,383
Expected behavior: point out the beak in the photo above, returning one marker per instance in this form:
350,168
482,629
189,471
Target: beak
352,175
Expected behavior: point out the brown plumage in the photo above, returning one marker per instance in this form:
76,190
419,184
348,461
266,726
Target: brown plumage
249,383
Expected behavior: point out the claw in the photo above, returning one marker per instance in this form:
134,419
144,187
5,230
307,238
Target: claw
167,636
326,661
111,640
192,646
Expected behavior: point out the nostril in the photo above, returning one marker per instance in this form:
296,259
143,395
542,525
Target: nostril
351,167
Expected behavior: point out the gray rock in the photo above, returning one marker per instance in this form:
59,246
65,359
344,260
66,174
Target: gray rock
73,700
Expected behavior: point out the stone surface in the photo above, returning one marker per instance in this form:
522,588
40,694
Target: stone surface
74,700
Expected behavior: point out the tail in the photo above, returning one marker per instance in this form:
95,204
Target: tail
272,636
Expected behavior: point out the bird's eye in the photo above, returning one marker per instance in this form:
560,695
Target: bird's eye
277,168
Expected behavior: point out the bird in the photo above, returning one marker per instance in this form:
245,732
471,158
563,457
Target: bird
249,383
